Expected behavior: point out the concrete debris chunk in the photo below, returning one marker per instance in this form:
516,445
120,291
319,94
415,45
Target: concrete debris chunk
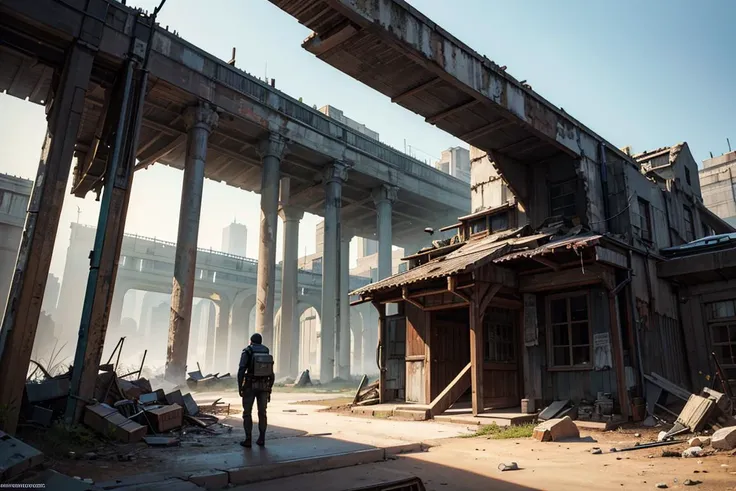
692,452
161,441
724,439
47,390
165,418
107,420
16,457
41,415
190,405
556,430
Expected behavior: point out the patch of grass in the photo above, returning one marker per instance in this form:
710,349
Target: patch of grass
60,439
335,401
495,432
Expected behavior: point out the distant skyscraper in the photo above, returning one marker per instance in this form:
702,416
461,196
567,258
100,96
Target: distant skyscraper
366,247
235,239
51,295
456,162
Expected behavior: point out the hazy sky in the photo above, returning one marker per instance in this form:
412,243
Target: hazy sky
641,73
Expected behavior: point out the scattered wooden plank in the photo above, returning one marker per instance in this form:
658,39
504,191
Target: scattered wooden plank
696,412
673,389
360,387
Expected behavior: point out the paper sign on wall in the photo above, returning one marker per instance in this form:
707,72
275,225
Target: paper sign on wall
602,351
531,332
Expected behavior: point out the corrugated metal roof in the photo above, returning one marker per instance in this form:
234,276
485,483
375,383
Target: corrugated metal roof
453,263
576,242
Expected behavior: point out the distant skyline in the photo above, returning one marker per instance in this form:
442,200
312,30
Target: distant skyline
645,74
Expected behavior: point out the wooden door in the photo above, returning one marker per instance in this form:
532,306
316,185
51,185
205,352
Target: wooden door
449,347
501,358
395,356
416,350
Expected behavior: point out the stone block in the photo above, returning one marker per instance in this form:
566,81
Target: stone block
16,457
724,439
556,430
107,420
210,479
165,418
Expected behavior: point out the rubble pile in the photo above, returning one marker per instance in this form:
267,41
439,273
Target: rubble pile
199,382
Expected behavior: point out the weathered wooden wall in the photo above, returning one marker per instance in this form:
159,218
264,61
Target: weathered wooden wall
449,345
578,384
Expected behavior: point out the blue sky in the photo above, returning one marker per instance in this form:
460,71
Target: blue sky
641,73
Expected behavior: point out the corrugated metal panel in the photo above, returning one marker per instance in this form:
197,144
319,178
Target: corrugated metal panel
454,262
577,242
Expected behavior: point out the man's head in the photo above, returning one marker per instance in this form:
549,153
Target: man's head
256,339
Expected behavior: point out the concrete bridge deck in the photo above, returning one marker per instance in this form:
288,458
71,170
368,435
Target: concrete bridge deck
398,51
35,34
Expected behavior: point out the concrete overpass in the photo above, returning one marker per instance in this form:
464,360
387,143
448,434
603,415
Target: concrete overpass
115,104
395,49
147,264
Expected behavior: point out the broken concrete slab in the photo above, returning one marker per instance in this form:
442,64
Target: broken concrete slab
165,418
50,479
41,415
151,398
16,457
175,397
211,479
724,439
107,420
162,441
190,406
552,410
47,390
556,430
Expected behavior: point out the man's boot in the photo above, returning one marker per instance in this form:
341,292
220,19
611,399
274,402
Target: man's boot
248,427
262,424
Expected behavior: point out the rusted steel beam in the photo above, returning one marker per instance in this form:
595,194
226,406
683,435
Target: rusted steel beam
416,89
39,236
449,112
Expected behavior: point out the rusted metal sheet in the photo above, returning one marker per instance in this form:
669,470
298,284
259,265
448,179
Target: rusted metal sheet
574,243
453,263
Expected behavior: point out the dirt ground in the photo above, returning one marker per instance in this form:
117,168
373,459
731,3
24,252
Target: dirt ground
451,462
471,464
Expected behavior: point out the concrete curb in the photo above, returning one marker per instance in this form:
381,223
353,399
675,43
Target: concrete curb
252,474
221,478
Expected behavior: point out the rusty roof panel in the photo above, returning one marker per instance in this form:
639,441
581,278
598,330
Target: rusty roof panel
574,243
453,263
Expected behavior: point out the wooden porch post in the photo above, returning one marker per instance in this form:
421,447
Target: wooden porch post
618,356
476,357
381,351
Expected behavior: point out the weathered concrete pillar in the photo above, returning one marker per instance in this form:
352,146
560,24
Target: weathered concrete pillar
343,338
39,235
201,120
384,197
222,336
271,151
209,349
335,175
287,358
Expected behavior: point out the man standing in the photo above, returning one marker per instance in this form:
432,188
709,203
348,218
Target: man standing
255,381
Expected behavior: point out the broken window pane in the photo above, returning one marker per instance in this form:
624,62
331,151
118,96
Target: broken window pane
570,336
561,356
558,310
581,355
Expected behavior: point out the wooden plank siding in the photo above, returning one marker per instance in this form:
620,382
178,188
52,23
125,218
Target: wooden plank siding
577,384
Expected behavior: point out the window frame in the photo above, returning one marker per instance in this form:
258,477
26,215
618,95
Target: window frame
513,342
550,341
688,180
646,216
576,182
729,322
688,217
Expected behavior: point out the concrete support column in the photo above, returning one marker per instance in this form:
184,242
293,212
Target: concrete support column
209,349
343,334
116,307
287,361
335,175
222,336
31,270
201,120
384,197
271,151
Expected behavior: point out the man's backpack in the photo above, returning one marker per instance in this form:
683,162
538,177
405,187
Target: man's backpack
261,365
260,372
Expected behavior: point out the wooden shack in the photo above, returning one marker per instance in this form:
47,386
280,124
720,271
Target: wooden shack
506,313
